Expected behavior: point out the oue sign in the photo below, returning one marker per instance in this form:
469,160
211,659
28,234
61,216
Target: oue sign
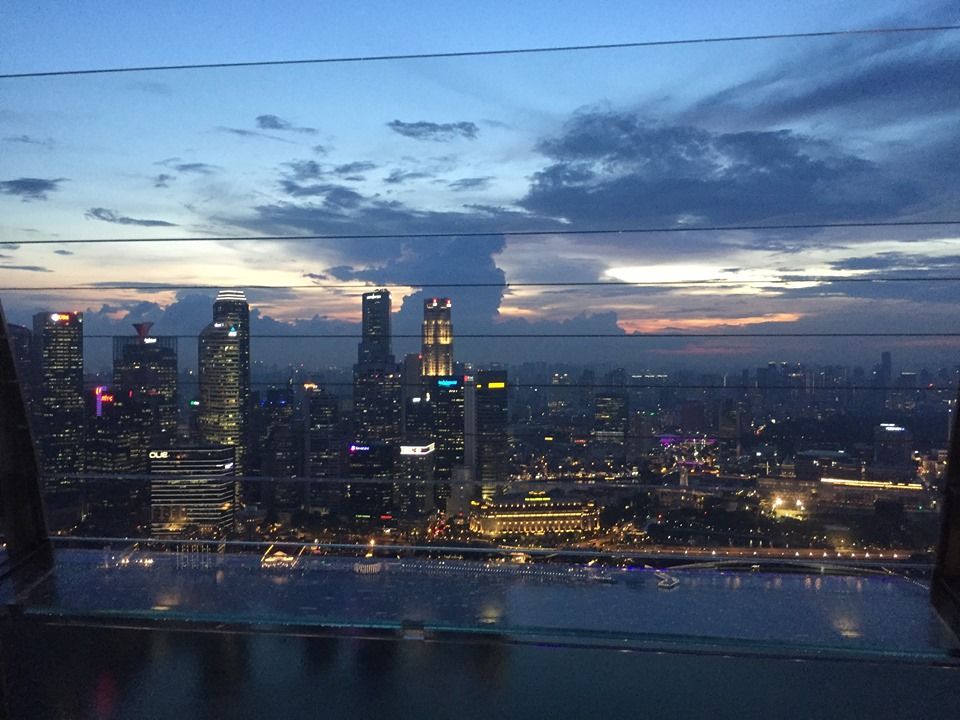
159,454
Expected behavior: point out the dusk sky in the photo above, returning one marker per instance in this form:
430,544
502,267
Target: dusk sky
858,128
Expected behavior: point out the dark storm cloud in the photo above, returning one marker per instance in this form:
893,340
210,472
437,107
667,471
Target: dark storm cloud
27,268
436,132
397,177
272,122
616,166
111,216
27,188
473,183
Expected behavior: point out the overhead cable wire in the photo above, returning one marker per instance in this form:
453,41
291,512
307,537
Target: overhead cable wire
718,282
484,53
433,235
591,336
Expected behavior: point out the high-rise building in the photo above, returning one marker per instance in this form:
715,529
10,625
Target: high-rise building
117,432
224,371
322,451
376,379
415,496
375,341
375,462
58,404
447,398
192,494
146,366
490,440
274,447
437,350
610,419
376,402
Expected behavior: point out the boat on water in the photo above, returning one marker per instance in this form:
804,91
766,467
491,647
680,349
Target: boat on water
666,582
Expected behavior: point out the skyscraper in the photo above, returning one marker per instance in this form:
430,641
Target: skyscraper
191,493
322,451
58,405
446,394
437,350
490,426
224,370
376,379
375,342
145,369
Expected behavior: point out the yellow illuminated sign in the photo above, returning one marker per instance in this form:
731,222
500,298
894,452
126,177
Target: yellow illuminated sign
496,385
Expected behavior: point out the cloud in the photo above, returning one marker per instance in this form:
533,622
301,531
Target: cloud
27,268
252,134
163,180
63,252
200,168
875,81
354,167
9,246
615,166
474,183
272,122
335,197
196,167
401,176
315,276
30,188
436,132
111,216
320,149
29,140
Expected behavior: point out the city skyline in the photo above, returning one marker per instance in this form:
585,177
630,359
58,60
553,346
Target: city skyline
747,133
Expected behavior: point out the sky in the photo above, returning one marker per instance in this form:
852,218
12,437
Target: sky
850,129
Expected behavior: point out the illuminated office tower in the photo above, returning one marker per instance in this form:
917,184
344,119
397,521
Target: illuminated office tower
414,496
145,369
375,341
376,379
610,421
437,350
192,494
58,405
322,449
371,502
117,432
447,397
490,420
274,447
224,365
